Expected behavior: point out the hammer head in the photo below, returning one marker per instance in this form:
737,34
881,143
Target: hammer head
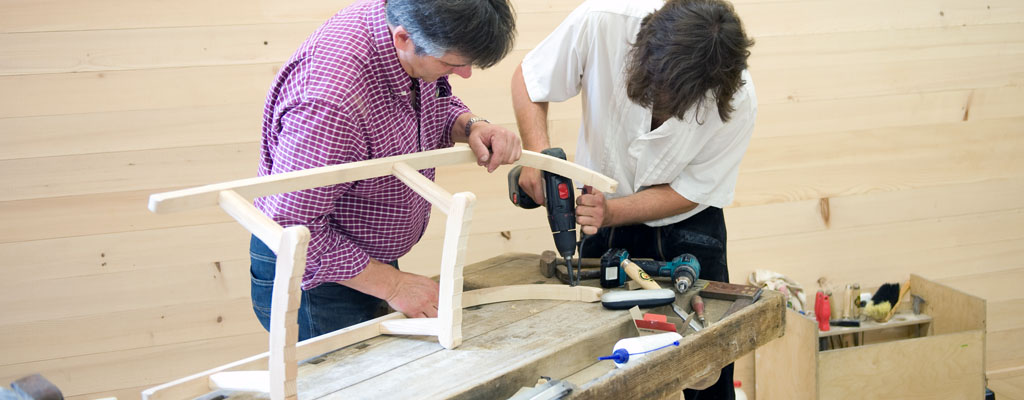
548,262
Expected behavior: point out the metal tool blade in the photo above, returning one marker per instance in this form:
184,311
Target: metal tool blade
687,319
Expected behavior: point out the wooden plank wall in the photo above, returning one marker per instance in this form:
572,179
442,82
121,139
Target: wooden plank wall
888,142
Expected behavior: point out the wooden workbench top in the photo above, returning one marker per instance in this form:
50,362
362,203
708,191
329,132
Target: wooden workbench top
507,346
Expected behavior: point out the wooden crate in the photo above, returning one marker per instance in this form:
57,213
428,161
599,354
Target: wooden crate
946,362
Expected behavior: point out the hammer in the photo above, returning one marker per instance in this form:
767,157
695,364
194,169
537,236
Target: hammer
550,261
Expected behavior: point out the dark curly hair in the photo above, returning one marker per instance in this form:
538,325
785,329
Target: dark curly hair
683,51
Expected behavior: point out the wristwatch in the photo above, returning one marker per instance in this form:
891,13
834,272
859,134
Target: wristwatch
472,121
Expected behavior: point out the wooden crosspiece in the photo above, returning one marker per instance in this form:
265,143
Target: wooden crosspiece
275,372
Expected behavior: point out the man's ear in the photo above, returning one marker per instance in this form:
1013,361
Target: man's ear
402,39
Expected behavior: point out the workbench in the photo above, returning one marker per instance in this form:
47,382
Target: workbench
508,346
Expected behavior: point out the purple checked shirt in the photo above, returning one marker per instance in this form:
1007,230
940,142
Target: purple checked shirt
343,97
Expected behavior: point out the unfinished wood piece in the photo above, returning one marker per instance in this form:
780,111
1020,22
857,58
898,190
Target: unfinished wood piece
787,367
453,258
951,310
423,186
252,219
930,368
531,292
284,311
412,326
205,196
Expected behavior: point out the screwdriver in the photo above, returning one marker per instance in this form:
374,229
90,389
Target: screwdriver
697,303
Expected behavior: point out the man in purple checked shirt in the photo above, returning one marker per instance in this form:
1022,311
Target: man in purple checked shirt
372,82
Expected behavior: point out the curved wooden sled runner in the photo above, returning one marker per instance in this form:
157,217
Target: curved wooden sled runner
277,369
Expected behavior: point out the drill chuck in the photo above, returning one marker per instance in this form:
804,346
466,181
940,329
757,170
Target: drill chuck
685,272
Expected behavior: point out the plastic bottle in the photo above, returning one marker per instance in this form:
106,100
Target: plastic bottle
633,348
740,394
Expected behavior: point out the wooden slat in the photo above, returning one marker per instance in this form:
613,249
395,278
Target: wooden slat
776,18
102,372
873,208
64,15
69,15
797,83
883,253
106,91
123,49
132,130
123,291
114,331
328,175
899,110
261,226
1009,387
89,215
136,170
51,259
992,286
1005,354
1004,315
883,47
830,165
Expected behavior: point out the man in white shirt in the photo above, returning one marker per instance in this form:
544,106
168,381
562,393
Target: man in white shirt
668,111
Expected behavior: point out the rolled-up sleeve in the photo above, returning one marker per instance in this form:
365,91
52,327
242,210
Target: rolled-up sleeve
315,134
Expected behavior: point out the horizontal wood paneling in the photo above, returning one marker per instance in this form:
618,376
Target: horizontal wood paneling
826,16
117,131
71,15
123,171
127,330
60,217
874,208
108,91
876,254
846,163
67,257
121,49
92,295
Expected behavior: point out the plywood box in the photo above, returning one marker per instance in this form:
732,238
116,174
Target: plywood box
945,362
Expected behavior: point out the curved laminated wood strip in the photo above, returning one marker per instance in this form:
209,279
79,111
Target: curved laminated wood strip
204,196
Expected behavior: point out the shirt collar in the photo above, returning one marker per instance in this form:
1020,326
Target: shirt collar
389,68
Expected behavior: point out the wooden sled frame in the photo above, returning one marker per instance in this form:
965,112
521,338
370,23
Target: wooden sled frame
277,369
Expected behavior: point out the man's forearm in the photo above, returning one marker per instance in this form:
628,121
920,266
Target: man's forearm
651,204
530,116
377,279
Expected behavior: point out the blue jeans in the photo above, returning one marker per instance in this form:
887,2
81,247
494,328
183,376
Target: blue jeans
324,309
702,235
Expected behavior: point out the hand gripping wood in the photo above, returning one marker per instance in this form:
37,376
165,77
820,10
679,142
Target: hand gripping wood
277,369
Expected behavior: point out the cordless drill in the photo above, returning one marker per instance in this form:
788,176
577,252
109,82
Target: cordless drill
683,270
560,200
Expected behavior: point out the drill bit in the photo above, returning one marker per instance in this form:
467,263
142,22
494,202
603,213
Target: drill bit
574,277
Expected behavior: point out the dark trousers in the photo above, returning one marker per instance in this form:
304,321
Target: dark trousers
702,235
323,309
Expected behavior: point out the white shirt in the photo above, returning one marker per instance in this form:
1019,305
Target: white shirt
588,54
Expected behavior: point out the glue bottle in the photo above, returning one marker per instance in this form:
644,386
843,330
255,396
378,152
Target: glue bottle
633,348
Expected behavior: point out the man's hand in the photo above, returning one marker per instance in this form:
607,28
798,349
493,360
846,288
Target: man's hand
531,180
592,210
494,145
415,296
